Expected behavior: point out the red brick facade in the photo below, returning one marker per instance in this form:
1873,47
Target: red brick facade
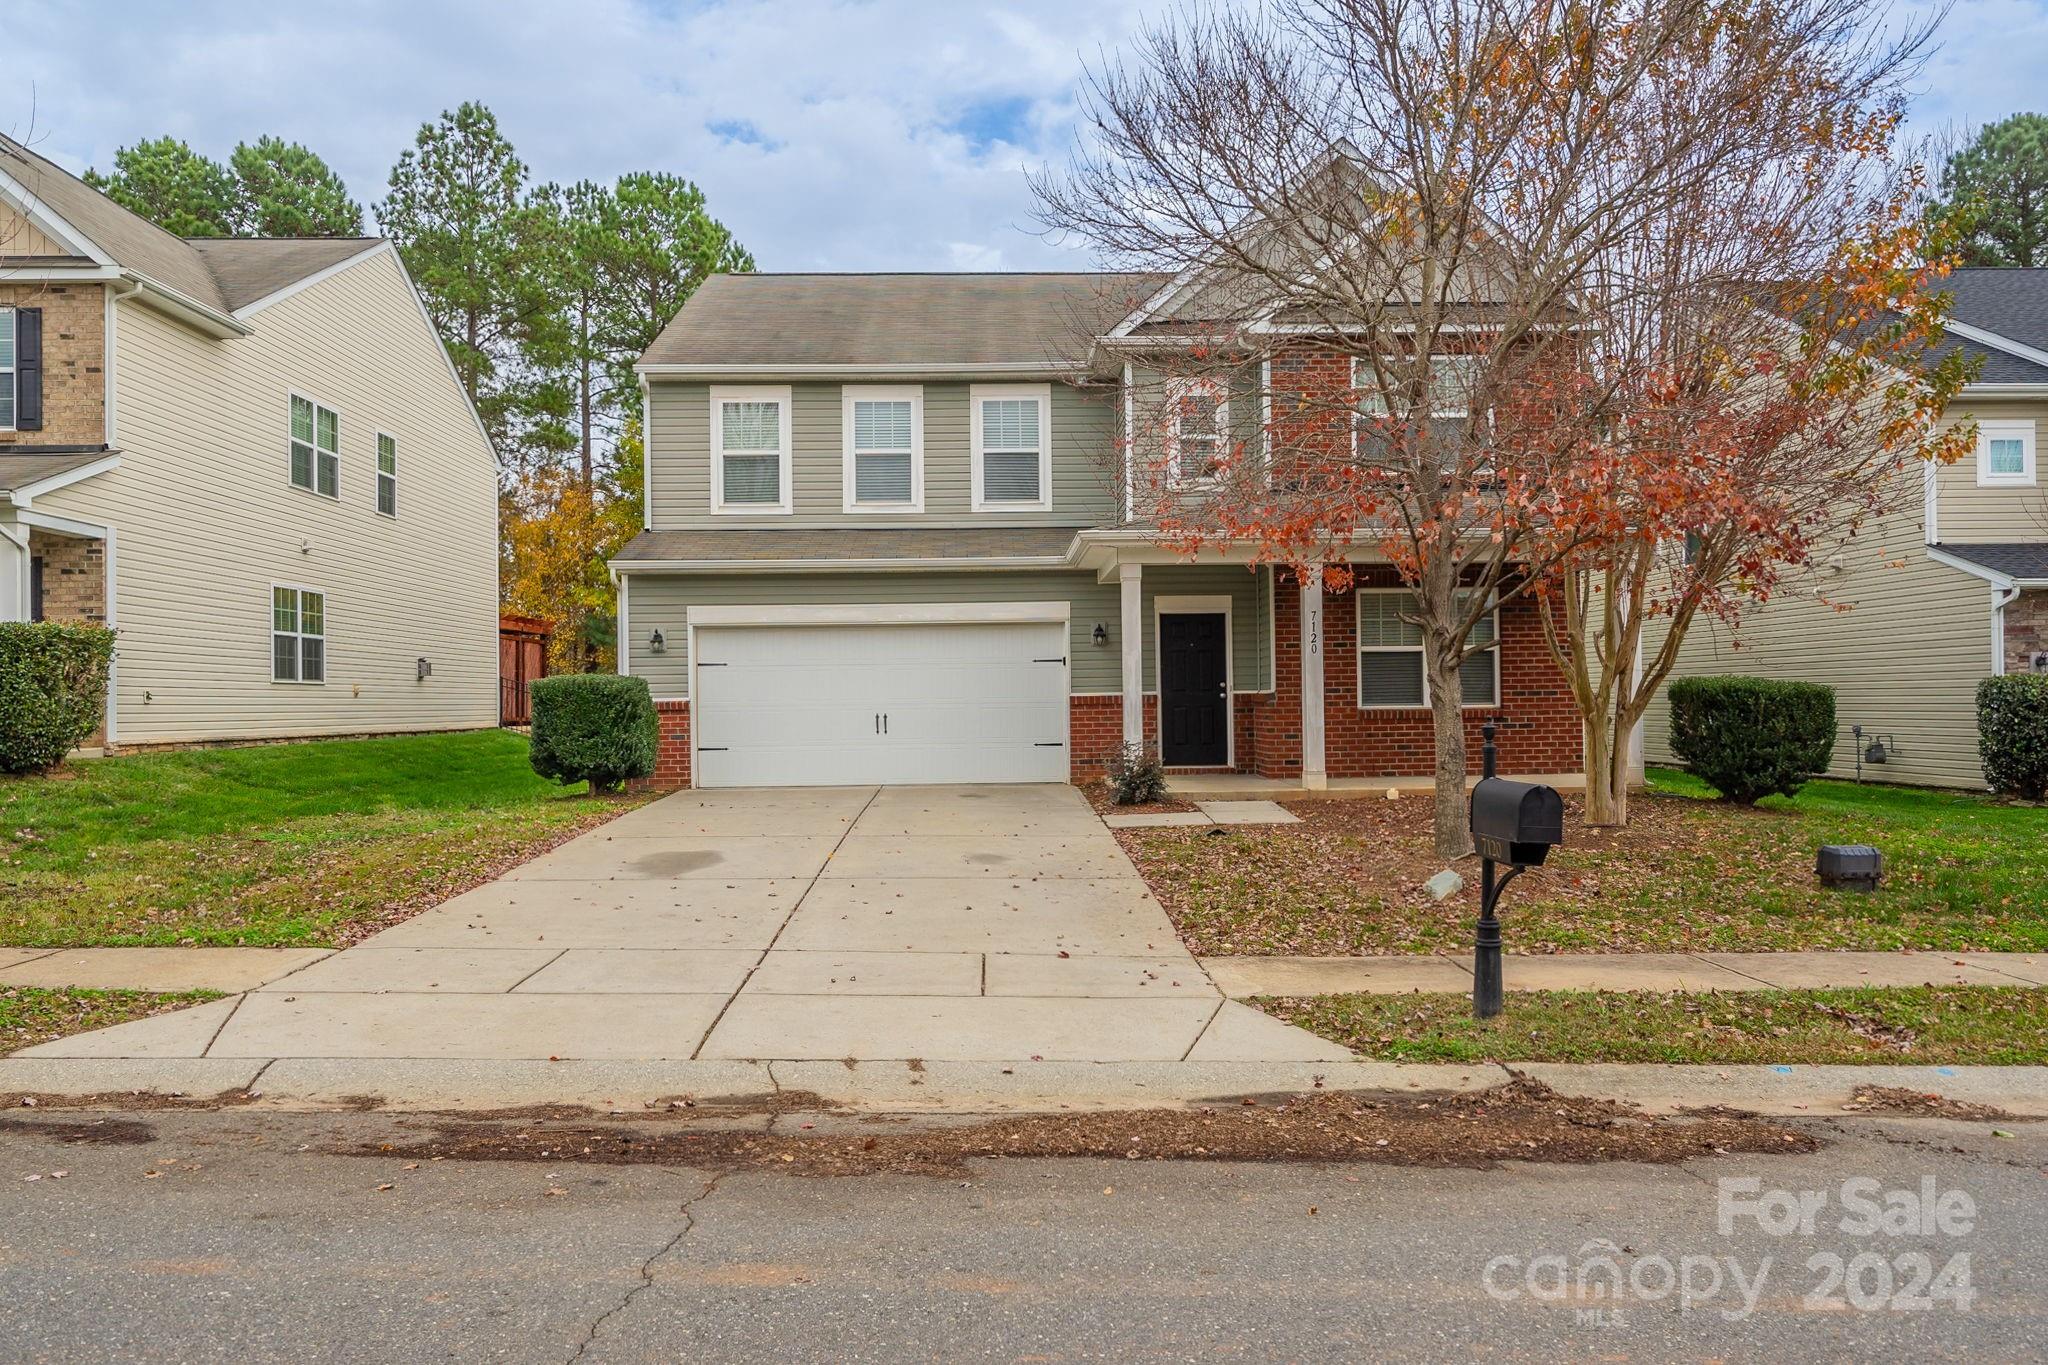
672,753
2026,631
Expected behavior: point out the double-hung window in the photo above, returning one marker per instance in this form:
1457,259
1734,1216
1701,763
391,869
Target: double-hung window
387,474
1198,428
2005,453
316,447
884,453
6,369
298,635
750,450
1390,671
1012,443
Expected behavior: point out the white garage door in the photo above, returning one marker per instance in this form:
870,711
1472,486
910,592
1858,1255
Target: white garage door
842,705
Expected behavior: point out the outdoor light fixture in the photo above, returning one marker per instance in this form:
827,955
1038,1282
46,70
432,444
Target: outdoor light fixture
657,644
1517,823
423,669
1100,635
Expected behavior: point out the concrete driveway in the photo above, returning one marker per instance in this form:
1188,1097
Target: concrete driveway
932,923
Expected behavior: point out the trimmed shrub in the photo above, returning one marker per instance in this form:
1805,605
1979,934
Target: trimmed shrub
53,690
2012,733
598,728
1136,776
1749,738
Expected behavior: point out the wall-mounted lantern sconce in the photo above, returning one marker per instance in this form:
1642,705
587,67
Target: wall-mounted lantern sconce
424,668
657,644
1100,635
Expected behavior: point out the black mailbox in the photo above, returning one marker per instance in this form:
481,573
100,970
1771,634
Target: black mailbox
1516,822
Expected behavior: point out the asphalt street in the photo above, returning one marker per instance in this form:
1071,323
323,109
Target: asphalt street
243,1236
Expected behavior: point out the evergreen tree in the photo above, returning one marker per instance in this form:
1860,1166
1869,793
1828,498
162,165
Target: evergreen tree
285,190
176,188
2000,178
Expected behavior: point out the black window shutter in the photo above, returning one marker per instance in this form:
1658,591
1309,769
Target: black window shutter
28,369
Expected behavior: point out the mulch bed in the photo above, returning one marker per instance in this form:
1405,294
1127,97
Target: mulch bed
1104,801
1520,1121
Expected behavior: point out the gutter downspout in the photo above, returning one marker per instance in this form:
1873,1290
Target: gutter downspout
2001,598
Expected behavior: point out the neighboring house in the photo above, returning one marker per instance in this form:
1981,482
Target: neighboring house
1906,617
253,459
889,540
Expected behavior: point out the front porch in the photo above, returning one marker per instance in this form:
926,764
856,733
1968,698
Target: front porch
1343,708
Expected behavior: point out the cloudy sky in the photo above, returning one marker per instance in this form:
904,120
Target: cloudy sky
831,136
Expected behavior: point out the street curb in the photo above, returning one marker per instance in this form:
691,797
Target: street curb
439,1086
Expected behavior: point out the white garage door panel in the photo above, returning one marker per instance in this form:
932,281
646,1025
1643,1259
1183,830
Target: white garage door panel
798,705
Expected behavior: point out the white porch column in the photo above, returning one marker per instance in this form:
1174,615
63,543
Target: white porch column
1131,636
13,571
1313,775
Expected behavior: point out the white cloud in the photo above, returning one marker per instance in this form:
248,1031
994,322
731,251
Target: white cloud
829,135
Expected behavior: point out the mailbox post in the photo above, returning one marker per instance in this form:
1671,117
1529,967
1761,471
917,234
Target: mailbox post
1516,823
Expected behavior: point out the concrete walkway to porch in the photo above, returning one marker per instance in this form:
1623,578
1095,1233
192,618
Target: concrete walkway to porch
957,924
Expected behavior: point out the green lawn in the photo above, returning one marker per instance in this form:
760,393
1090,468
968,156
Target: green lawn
1924,1025
313,843
30,1015
1963,871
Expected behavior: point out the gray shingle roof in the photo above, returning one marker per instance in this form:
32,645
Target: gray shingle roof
2011,302
20,468
939,320
849,546
222,274
2014,559
252,268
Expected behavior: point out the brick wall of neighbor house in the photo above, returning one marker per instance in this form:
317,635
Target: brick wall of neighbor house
74,362
74,577
2026,630
1539,732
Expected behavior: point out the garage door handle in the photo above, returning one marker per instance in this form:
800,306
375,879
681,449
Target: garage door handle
878,722
1060,660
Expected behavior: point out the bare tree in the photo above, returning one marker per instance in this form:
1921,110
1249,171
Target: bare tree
1399,228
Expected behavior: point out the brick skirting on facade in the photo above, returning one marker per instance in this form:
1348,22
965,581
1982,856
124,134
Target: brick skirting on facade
672,751
2026,630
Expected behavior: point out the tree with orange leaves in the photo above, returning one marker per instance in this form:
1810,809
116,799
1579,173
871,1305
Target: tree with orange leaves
1544,243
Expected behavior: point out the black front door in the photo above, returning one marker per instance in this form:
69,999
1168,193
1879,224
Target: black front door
1194,691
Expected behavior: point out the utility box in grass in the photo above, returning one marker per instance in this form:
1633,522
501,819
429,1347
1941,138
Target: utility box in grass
1849,867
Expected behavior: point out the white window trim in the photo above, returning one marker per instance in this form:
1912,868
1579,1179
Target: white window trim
314,487
377,474
2005,429
1358,676
11,370
326,659
977,394
850,458
1177,392
778,394
1220,605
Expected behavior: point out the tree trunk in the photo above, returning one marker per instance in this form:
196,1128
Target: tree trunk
1447,713
1606,769
583,375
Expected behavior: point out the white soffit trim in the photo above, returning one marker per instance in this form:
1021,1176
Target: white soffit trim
621,568
316,277
1989,575
49,223
882,614
938,369
23,495
1997,342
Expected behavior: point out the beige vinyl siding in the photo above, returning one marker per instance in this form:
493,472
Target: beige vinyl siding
206,520
1904,658
1966,512
662,602
1151,415
20,237
679,459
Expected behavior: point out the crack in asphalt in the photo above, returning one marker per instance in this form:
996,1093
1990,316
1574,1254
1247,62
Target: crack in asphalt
688,1211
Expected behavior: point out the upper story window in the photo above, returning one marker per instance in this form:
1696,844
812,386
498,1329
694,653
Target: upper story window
1390,671
298,635
1012,443
1452,381
884,455
387,474
750,450
1198,430
316,447
6,369
2005,453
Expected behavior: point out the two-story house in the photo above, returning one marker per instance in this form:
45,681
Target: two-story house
1905,618
890,537
250,457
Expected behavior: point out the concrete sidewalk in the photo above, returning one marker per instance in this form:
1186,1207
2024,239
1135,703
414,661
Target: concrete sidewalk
1242,977
970,924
